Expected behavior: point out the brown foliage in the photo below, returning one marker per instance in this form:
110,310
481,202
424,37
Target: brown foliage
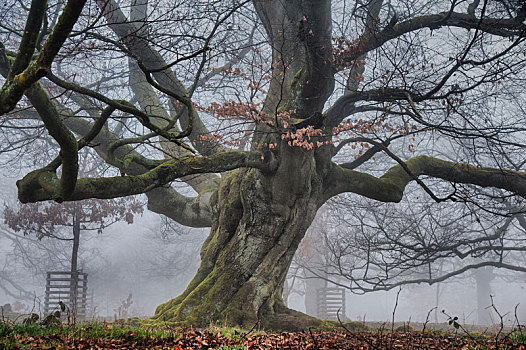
210,339
44,219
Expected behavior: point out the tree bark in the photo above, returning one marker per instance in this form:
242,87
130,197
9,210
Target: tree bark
258,222
259,218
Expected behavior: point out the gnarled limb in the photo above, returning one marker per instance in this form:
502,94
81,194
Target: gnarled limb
390,186
30,35
41,184
68,147
193,211
190,211
13,89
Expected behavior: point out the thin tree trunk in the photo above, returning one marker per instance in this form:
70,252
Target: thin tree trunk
73,292
483,278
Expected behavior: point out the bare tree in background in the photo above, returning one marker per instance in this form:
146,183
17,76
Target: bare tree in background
265,109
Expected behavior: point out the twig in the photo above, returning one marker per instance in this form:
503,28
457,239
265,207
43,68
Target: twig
313,339
394,309
501,319
517,319
427,319
251,329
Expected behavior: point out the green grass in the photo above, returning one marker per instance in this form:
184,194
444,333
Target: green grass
232,332
13,335
519,337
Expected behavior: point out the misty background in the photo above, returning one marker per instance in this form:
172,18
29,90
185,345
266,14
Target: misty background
152,262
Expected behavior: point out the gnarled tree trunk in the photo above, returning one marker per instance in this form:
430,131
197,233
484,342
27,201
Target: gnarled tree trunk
259,219
258,223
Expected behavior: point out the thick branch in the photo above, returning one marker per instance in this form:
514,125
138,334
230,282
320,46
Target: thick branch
185,210
497,26
14,88
29,39
188,211
195,212
501,27
67,142
390,187
40,184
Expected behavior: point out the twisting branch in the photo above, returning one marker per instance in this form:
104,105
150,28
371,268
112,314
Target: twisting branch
390,186
39,185
13,89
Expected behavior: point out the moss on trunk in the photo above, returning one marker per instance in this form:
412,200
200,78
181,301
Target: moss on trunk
258,223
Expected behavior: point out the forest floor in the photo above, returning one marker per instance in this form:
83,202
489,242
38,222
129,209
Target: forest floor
129,335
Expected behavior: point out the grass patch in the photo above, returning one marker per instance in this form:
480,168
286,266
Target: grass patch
29,335
518,337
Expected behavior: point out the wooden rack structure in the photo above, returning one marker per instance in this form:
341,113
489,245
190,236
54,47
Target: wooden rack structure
69,288
331,303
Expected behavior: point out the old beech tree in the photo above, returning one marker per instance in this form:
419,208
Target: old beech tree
342,97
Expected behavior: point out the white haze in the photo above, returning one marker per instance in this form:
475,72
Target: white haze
136,259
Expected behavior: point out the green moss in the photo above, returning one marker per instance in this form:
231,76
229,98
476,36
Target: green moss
404,328
296,79
240,311
293,321
203,304
477,335
349,326
229,200
356,326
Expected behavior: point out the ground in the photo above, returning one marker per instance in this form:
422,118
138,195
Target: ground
353,335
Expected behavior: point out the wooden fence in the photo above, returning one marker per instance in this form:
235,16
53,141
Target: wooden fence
69,288
331,303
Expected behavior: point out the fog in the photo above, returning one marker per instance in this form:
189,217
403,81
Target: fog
153,265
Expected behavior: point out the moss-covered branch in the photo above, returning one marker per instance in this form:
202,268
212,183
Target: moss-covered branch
390,187
190,211
40,184
13,88
53,122
29,37
67,142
